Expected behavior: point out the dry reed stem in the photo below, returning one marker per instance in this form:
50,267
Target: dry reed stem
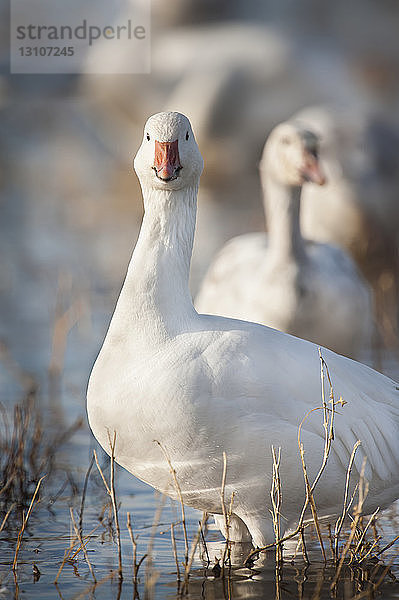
86,539
277,578
195,543
151,576
6,517
58,590
83,547
358,514
204,542
114,503
112,494
24,523
373,587
173,539
370,550
222,495
180,495
345,505
82,504
68,551
304,550
331,541
309,493
328,424
363,534
136,565
226,514
67,554
276,499
385,548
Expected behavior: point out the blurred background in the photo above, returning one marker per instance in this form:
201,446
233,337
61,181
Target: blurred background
70,203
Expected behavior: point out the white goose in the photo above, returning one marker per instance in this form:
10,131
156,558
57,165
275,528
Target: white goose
305,288
202,385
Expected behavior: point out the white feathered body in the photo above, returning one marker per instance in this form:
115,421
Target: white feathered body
203,385
228,386
321,298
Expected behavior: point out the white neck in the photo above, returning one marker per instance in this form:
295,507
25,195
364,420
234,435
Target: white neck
155,299
282,204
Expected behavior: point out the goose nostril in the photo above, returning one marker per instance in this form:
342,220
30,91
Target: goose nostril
169,177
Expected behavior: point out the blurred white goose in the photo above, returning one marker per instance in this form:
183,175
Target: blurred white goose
305,288
201,385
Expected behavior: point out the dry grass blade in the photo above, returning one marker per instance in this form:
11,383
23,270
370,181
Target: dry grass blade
345,507
136,565
112,494
180,496
67,554
204,541
373,587
360,542
82,504
24,523
87,540
6,517
195,543
311,502
68,551
226,514
303,544
151,576
114,503
276,499
222,496
173,539
82,545
385,548
328,424
362,492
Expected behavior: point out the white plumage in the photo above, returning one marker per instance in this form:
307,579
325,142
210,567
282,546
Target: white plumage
282,280
202,385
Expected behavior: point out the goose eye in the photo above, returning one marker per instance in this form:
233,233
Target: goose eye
187,135
148,137
285,140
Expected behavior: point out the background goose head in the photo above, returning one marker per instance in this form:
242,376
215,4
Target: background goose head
291,156
169,157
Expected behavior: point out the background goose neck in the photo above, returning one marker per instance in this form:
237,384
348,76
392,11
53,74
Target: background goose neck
282,209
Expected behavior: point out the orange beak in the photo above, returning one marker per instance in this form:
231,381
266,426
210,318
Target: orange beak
311,169
167,161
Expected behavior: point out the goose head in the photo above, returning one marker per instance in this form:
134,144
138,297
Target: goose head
291,156
169,157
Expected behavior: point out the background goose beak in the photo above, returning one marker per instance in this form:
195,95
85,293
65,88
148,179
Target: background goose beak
312,170
167,161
